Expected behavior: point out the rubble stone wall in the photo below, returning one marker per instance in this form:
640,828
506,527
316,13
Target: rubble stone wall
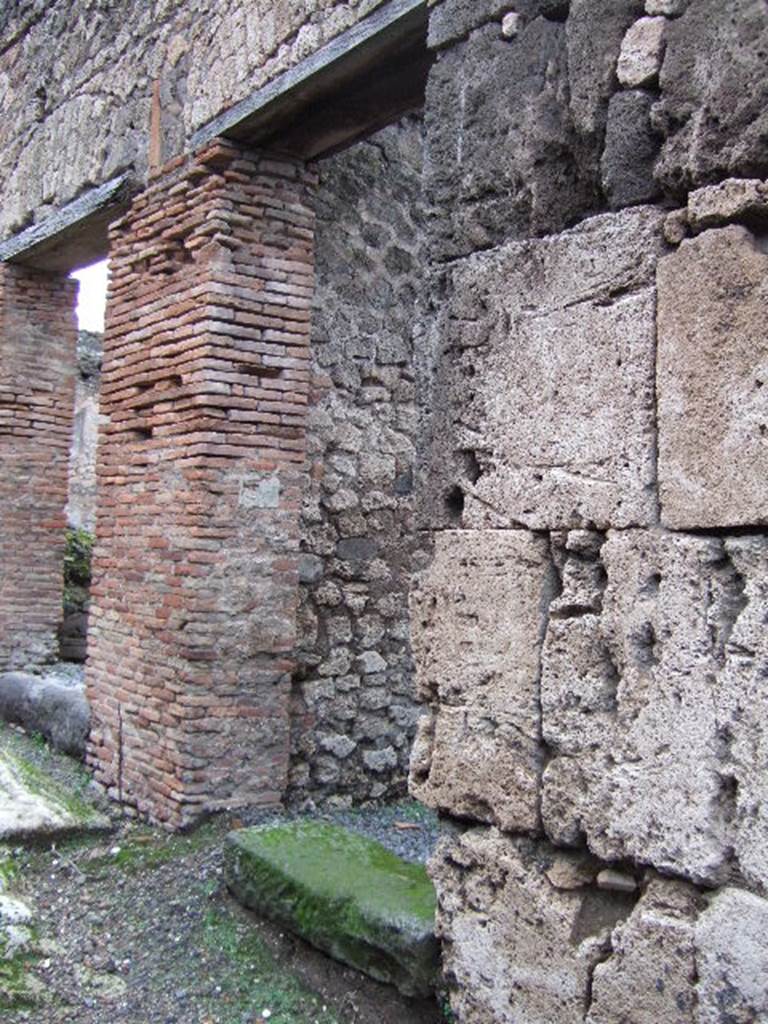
354,708
83,116
589,637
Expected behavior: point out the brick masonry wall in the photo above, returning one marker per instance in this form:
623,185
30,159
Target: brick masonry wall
205,380
354,707
37,370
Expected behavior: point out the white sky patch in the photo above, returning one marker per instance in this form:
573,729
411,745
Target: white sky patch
92,299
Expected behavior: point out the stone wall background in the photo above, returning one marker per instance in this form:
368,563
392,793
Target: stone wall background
80,118
354,708
587,637
81,504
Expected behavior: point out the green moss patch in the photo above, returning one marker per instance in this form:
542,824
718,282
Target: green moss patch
344,893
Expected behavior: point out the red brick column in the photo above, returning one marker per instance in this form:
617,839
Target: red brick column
38,337
205,390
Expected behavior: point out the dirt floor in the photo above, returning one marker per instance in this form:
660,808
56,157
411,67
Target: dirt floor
138,927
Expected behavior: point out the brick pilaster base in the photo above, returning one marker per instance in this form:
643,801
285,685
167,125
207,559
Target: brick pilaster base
38,336
204,391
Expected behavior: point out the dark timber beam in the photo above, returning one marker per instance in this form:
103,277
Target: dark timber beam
366,78
74,236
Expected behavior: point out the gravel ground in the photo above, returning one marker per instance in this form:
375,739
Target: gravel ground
139,928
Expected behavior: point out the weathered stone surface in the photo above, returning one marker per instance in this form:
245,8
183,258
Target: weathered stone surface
641,53
344,893
732,200
452,20
650,975
516,948
712,368
59,713
358,525
631,148
104,82
713,110
515,126
652,710
477,626
731,959
33,806
671,8
547,374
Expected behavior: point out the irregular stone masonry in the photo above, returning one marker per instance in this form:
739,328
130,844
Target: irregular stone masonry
354,707
204,393
37,360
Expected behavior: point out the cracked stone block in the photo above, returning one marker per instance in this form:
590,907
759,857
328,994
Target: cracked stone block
514,127
731,959
477,621
641,52
650,975
734,199
515,946
654,708
713,110
548,374
712,376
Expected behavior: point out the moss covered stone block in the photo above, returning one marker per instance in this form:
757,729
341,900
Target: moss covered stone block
346,894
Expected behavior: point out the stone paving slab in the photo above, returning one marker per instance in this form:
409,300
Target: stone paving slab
34,807
344,893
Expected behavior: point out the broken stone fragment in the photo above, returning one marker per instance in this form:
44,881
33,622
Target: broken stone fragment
641,52
731,200
616,881
344,893
670,8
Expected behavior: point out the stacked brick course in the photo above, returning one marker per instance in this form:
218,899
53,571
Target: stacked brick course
37,364
205,384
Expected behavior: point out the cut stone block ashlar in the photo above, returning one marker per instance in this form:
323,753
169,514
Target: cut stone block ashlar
477,622
550,416
713,382
654,708
344,893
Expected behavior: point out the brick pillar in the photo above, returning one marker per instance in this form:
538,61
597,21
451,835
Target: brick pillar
205,384
38,337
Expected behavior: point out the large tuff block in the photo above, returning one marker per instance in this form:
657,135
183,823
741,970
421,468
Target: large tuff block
712,372
714,94
652,704
38,336
548,373
515,126
477,626
346,894
531,934
515,946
